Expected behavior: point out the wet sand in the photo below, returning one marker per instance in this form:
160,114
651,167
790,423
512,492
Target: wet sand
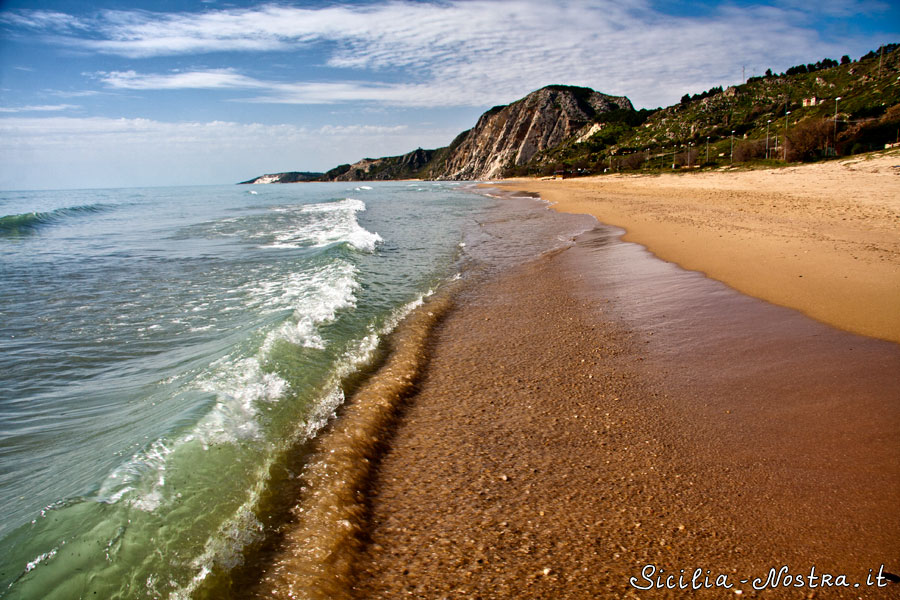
598,410
822,238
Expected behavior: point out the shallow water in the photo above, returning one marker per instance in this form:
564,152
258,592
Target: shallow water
164,349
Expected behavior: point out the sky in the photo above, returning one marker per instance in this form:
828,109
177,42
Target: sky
180,92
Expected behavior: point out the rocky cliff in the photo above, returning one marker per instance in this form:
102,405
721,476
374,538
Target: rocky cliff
510,136
406,166
504,137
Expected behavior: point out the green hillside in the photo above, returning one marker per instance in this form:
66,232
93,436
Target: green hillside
868,117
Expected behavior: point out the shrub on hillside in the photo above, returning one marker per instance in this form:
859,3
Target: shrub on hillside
872,134
633,161
809,139
749,150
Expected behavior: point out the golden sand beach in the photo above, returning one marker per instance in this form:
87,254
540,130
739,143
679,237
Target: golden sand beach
821,238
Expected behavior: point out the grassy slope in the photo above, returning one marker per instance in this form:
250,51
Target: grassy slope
868,88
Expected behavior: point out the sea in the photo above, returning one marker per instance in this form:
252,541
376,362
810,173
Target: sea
166,354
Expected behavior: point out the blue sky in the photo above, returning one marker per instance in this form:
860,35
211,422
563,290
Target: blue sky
169,92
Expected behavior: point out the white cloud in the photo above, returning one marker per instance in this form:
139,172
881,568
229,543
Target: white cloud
49,131
290,93
467,52
43,19
361,130
37,108
211,79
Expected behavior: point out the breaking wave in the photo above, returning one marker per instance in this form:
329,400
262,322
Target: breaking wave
32,222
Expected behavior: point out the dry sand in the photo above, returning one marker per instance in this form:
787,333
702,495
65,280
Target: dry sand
823,238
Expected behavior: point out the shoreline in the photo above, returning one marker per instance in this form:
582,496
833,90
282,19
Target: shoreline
579,415
604,432
821,238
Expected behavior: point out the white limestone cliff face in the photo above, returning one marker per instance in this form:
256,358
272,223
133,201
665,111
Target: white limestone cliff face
512,135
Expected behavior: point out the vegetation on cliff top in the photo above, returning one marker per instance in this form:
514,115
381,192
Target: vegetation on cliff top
810,112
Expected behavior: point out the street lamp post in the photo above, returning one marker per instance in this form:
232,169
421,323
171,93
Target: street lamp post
732,146
786,114
767,138
690,152
707,149
835,124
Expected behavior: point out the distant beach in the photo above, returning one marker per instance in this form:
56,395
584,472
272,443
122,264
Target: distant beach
820,238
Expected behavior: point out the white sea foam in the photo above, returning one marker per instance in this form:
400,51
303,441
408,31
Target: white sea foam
42,558
240,386
144,472
314,299
243,527
324,224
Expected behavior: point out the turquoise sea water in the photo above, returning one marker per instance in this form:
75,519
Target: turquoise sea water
161,349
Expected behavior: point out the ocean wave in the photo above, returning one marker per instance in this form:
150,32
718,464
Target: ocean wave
332,515
243,528
325,224
314,298
32,222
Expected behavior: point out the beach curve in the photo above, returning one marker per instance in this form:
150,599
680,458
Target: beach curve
823,239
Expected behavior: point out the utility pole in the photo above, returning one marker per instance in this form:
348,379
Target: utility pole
767,138
707,149
732,146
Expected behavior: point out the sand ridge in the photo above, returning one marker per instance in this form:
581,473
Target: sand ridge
821,238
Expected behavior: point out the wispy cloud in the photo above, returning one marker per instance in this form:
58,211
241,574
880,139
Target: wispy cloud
44,19
461,52
274,92
38,108
838,8
208,80
55,130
